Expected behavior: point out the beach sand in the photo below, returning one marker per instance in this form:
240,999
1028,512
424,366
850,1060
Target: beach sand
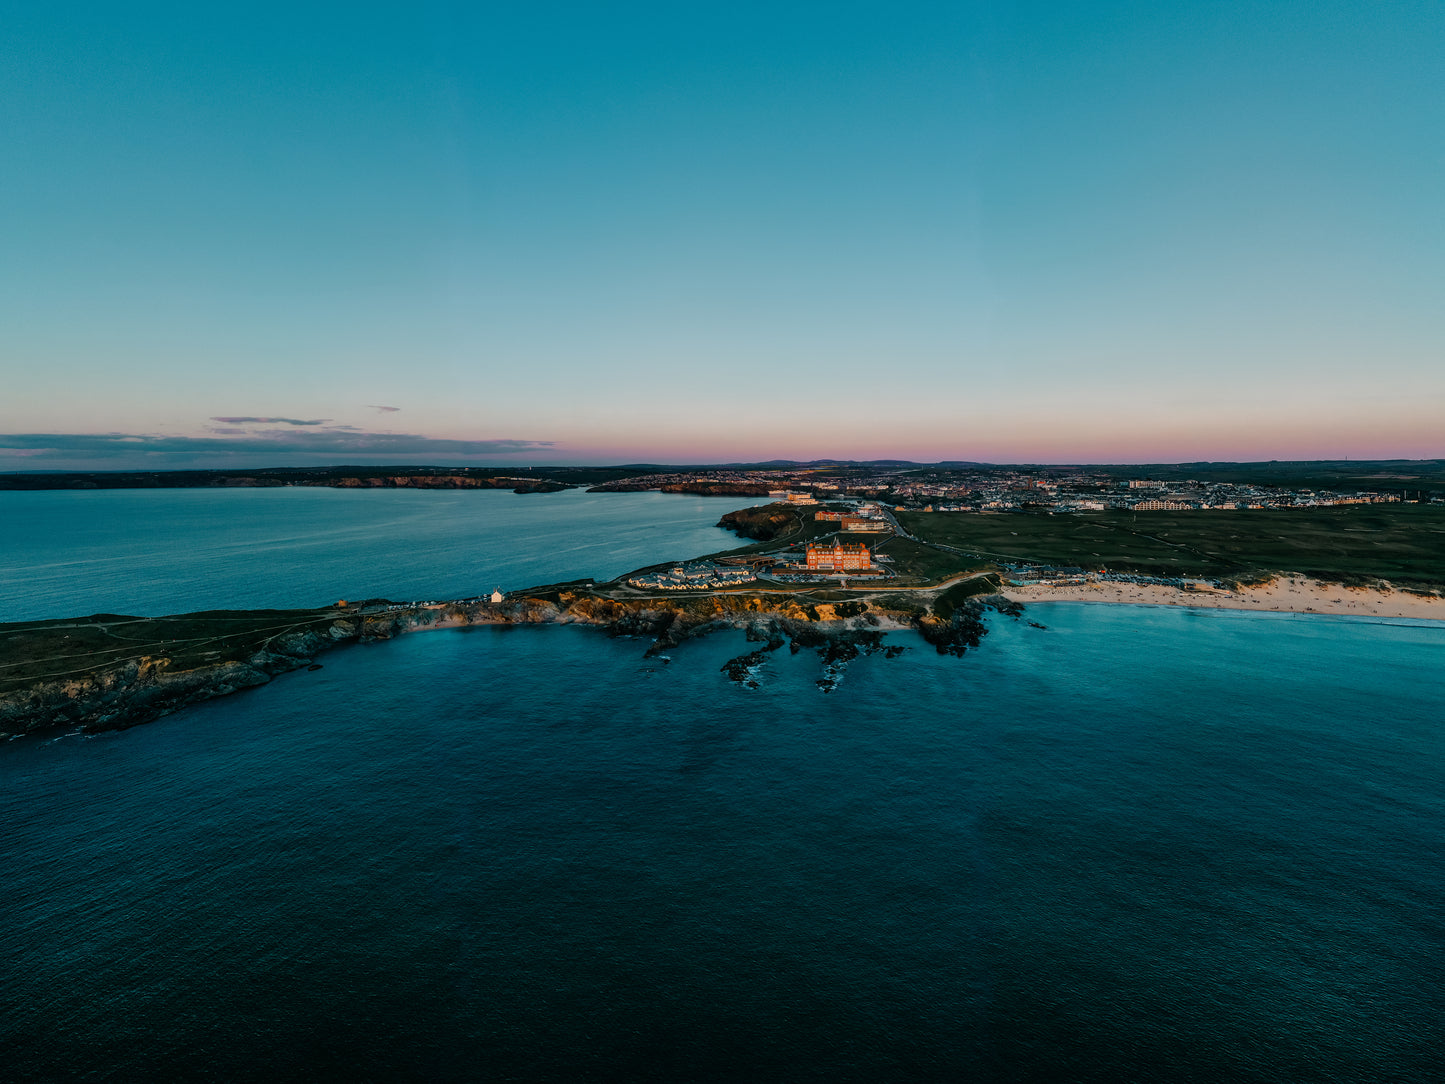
1285,595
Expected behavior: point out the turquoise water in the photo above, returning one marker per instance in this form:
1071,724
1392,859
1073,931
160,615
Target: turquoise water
1143,844
1139,844
152,552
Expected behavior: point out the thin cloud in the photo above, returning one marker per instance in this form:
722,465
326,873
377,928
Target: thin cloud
253,446
271,421
384,409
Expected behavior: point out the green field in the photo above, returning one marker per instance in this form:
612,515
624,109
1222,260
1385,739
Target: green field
1409,476
917,565
1403,543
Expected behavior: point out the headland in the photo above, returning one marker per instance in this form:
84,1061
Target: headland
824,565
111,671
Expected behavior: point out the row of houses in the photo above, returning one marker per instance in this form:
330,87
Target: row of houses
848,522
791,496
695,576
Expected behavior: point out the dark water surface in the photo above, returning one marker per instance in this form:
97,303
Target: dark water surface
151,552
1145,844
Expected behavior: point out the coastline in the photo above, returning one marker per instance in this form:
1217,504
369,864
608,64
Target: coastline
161,665
117,671
1284,595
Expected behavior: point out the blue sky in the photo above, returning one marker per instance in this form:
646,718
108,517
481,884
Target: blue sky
593,233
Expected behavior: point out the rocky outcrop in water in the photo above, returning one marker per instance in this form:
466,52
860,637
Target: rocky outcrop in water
964,627
121,692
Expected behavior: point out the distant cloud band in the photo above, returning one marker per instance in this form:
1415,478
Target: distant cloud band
271,421
157,450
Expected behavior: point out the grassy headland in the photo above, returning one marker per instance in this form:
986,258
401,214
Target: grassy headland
1402,543
36,651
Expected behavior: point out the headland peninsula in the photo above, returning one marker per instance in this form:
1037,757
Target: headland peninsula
112,671
835,556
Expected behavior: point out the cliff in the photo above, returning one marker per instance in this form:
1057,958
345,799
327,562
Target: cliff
700,488
109,672
763,523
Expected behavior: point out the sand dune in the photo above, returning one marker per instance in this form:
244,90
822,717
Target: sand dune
1286,595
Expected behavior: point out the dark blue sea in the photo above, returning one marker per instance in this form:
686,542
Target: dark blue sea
1139,844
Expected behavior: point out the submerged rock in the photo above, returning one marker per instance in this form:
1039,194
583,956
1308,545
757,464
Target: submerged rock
743,669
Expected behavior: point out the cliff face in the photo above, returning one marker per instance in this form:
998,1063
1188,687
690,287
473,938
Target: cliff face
764,523
443,481
125,692
141,689
703,488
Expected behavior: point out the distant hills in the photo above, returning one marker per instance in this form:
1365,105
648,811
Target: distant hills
1424,474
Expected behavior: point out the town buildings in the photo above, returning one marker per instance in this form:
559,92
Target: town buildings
839,557
695,576
980,488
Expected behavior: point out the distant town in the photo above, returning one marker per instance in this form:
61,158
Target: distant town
827,557
859,525
897,525
944,487
997,489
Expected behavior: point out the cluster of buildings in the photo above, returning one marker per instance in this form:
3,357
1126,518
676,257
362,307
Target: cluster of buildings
825,557
820,560
1145,495
977,488
1046,575
867,518
1136,495
695,576
844,562
794,496
1021,575
837,556
833,556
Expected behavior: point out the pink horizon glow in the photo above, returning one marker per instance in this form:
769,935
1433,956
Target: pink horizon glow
1148,449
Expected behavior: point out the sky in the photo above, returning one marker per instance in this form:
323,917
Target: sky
272,234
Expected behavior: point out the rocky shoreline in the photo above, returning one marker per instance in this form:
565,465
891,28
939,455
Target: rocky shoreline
118,693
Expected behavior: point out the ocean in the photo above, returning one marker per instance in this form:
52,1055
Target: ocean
1136,844
164,551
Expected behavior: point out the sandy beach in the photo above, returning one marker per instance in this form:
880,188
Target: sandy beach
1285,595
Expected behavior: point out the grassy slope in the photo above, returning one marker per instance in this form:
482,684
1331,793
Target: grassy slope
916,564
39,650
1404,543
